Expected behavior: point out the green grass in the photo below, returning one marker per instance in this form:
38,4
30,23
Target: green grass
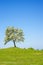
17,56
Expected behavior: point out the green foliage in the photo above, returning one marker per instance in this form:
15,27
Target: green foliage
17,56
14,34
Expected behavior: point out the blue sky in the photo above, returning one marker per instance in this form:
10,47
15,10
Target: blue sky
24,14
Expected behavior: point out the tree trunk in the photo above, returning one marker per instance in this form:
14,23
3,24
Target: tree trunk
14,43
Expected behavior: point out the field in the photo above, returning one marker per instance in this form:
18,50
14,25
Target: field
17,56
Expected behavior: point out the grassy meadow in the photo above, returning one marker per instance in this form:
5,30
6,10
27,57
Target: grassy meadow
18,56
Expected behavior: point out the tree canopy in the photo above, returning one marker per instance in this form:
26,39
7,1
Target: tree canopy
14,34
